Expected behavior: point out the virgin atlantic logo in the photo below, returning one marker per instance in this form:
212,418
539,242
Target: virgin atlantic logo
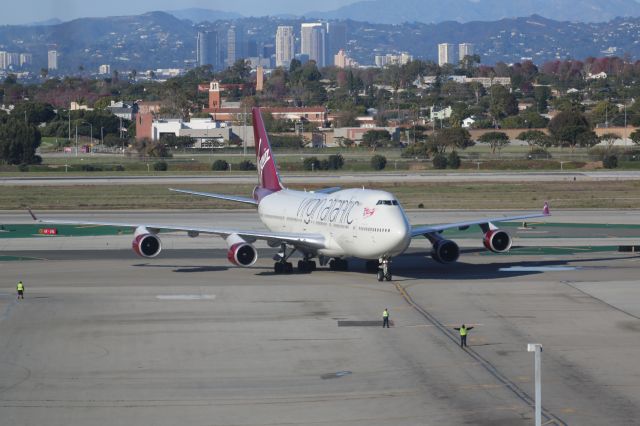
264,158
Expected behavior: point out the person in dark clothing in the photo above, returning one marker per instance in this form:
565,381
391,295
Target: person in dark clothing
463,334
385,318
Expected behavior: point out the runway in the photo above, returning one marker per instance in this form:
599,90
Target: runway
343,178
106,338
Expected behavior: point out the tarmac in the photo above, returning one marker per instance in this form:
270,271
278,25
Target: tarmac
105,338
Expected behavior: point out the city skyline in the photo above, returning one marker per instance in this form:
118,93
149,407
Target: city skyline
31,11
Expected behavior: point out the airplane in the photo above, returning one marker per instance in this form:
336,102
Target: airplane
331,224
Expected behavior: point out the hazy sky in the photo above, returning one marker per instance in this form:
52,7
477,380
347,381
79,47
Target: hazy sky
26,11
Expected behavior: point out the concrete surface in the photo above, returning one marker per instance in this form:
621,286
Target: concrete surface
104,338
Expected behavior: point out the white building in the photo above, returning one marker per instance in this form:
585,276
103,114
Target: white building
465,49
312,42
445,54
206,132
441,114
403,58
104,69
285,46
52,60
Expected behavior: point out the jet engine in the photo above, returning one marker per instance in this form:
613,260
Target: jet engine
497,240
241,253
146,244
445,251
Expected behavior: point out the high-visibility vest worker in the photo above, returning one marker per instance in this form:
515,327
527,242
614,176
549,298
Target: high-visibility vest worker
20,286
385,318
463,334
385,313
463,331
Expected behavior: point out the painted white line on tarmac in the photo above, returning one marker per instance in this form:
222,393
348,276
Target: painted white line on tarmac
538,268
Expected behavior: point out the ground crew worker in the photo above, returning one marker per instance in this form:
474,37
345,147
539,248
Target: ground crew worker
385,318
20,288
463,334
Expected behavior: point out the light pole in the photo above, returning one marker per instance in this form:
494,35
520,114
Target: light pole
537,349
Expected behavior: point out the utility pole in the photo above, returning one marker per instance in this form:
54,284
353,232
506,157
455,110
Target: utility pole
537,349
76,139
244,133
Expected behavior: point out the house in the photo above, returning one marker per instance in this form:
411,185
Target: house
468,122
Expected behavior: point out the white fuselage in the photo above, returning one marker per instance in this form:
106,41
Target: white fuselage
361,223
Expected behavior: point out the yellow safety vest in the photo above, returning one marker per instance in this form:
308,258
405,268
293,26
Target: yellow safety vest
385,314
20,287
463,331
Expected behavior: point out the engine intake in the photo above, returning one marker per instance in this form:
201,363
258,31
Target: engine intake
147,245
445,251
241,253
497,240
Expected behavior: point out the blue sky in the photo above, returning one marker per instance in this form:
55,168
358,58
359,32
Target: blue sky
26,11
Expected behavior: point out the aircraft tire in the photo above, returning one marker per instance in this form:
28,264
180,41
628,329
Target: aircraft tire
380,276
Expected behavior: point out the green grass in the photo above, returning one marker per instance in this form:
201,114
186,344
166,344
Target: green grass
473,195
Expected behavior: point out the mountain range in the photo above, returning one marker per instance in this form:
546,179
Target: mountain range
435,11
161,40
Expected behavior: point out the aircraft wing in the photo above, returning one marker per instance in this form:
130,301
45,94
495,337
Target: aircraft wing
306,240
239,199
430,229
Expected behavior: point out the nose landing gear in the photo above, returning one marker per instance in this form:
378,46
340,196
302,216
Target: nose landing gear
384,272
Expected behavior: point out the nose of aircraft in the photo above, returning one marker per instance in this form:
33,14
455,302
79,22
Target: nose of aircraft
400,233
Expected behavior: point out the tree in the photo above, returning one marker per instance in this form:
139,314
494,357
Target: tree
635,137
378,162
18,143
571,128
375,138
454,138
609,139
34,112
610,161
535,138
160,166
503,103
246,166
495,140
453,161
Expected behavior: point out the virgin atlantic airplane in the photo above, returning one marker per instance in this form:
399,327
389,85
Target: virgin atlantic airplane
330,224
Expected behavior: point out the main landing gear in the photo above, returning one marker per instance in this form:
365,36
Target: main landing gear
306,266
282,266
384,272
338,264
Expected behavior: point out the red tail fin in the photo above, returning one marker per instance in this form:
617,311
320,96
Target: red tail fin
267,170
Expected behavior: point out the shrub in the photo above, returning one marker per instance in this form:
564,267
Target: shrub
454,160
311,163
220,165
336,162
378,162
160,166
246,165
119,168
23,167
610,161
90,168
439,161
324,164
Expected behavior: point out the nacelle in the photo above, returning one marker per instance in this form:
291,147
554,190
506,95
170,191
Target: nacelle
497,240
445,251
147,245
241,253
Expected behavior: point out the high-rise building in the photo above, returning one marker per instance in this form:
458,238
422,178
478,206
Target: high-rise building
465,49
4,60
337,34
207,49
313,42
445,54
235,44
104,69
52,60
26,59
285,47
341,60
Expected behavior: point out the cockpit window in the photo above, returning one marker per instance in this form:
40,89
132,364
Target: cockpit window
387,203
